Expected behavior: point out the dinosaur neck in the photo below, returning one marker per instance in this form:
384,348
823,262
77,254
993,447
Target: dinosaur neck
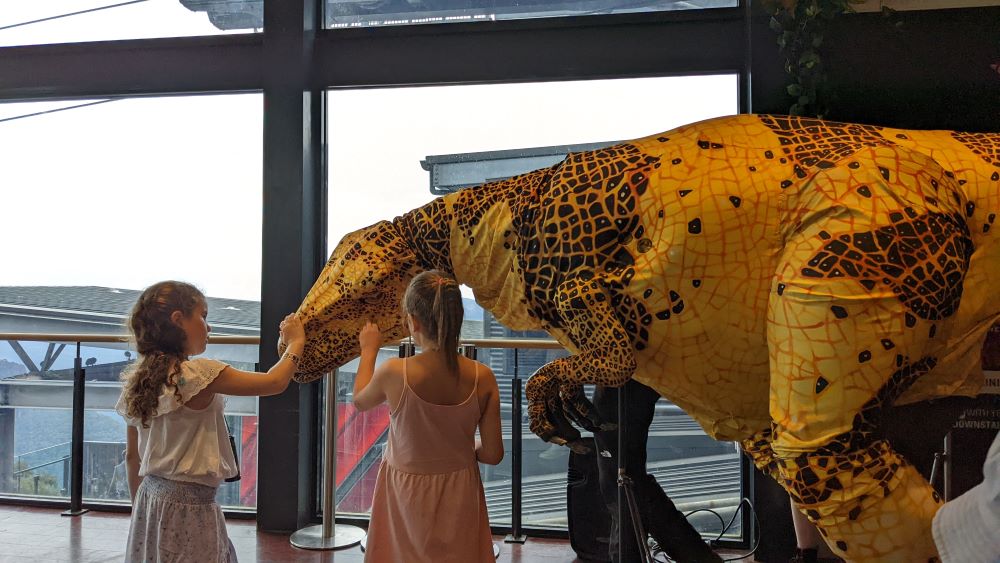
427,231
472,234
488,224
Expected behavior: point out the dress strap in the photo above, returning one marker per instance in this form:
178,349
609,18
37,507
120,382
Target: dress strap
403,394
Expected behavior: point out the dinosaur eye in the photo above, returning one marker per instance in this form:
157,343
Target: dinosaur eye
373,298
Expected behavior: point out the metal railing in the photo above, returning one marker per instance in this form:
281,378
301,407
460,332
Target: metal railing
65,460
470,347
13,392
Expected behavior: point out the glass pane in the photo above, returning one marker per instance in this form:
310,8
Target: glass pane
372,13
36,417
116,195
393,150
361,440
34,22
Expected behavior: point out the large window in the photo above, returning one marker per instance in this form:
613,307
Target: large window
393,150
374,13
102,198
32,22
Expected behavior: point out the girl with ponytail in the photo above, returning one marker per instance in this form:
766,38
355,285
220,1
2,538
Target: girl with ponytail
178,450
428,503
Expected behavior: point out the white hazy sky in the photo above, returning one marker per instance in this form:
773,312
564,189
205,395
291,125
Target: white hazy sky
126,193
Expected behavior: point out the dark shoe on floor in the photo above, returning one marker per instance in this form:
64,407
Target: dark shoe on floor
804,556
675,536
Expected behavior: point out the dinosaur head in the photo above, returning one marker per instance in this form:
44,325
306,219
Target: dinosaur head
364,279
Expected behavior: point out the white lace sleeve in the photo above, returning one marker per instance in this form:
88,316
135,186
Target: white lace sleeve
122,410
196,375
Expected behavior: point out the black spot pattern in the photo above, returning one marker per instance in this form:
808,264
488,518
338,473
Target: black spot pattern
580,218
811,142
922,258
821,384
984,145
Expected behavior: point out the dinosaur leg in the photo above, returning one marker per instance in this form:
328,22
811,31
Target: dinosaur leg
869,503
861,307
605,357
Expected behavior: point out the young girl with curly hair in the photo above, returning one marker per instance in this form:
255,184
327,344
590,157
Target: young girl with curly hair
178,450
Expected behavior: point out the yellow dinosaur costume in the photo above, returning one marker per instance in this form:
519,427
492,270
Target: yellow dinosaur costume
781,279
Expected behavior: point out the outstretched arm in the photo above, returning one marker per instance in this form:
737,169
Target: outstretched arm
232,381
368,389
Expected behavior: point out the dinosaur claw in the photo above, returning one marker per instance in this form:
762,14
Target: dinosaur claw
579,447
557,441
579,410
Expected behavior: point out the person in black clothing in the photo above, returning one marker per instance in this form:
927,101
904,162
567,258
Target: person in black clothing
660,518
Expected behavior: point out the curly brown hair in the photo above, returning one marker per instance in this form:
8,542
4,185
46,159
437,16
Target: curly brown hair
160,344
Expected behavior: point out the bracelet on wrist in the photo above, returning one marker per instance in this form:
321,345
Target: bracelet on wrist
295,358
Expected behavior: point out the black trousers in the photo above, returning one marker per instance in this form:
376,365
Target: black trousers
660,517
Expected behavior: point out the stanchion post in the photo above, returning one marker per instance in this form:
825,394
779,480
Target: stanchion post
947,466
329,535
515,535
76,447
622,511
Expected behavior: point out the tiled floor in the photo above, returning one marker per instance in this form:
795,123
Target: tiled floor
37,535
42,535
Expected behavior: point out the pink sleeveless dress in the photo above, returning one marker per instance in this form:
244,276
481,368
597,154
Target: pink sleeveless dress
429,503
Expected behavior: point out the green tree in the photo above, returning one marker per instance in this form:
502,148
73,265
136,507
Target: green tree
24,481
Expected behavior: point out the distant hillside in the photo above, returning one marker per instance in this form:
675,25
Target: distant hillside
35,429
8,368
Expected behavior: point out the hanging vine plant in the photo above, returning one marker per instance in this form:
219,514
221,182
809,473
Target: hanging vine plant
801,25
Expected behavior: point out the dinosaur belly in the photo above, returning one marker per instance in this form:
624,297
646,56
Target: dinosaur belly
708,275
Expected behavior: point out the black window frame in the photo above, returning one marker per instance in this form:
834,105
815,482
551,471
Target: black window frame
293,62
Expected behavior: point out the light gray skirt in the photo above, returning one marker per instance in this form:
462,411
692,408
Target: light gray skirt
174,522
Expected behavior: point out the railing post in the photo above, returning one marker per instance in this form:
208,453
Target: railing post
329,534
470,351
66,470
947,455
76,448
515,535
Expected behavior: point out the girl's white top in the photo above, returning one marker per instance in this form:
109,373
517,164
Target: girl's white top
967,528
181,443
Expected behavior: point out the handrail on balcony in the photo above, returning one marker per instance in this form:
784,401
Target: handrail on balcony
59,445
46,464
119,338
532,343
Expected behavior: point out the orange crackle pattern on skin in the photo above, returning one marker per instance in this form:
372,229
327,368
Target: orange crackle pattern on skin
782,279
